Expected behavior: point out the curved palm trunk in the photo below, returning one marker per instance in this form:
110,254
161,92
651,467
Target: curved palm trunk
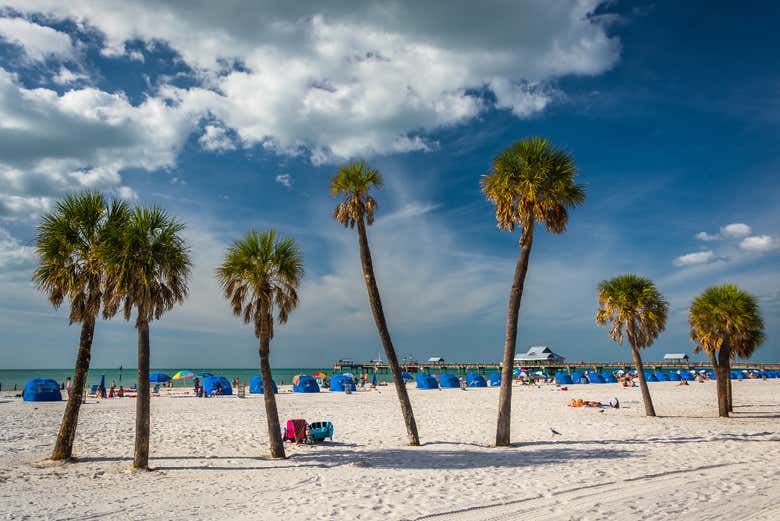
640,372
271,413
504,421
729,399
384,334
142,405
723,381
63,447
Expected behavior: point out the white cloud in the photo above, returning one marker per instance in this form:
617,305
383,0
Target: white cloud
356,79
216,139
38,41
692,259
66,76
759,243
735,230
704,236
127,193
284,180
16,259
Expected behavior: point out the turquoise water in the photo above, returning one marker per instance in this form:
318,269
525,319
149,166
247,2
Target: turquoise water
18,377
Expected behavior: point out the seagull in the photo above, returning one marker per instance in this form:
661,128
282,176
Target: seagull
554,432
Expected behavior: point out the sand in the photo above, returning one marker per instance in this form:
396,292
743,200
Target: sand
207,457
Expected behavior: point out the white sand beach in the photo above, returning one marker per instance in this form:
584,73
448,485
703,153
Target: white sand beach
207,458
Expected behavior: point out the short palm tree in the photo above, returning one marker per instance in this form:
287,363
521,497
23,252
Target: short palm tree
260,277
531,181
638,311
355,182
147,267
725,323
72,269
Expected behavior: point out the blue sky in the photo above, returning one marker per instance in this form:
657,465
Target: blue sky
236,116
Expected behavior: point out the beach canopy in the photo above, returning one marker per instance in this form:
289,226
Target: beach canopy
448,381
159,378
425,381
304,383
406,376
42,390
687,376
578,378
563,379
609,378
256,385
651,377
674,377
181,375
211,383
341,383
475,380
661,376
595,378
495,379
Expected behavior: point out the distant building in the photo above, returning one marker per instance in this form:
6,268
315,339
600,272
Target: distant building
538,354
676,357
435,360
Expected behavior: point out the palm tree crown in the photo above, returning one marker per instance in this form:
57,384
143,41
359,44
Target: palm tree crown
68,244
355,181
532,180
635,307
726,314
148,265
259,272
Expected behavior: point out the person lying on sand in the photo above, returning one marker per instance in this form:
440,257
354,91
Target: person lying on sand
683,382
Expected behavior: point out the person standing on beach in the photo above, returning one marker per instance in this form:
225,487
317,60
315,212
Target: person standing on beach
68,386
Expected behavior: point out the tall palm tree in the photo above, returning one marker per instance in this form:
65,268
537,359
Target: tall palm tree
147,267
355,182
725,323
71,268
638,311
260,275
531,181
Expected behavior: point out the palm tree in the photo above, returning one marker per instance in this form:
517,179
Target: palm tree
71,268
725,323
355,181
638,311
531,181
261,275
147,266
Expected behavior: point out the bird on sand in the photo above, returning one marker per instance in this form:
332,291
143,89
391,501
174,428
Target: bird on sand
554,432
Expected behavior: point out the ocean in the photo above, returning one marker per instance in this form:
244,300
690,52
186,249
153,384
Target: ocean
127,377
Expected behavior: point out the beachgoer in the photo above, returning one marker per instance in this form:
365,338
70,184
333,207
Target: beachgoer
68,386
121,392
156,389
614,403
683,382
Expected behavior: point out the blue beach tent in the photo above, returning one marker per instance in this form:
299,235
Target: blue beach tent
159,378
425,381
686,375
305,384
406,376
475,380
256,385
674,377
448,381
210,384
595,378
42,390
662,377
495,379
578,378
563,379
651,377
609,378
340,383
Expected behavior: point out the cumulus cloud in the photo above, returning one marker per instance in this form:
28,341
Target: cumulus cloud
38,42
65,76
735,230
704,236
284,180
696,258
216,139
759,243
347,79
16,259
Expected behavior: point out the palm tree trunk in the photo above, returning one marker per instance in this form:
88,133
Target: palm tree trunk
63,447
640,373
729,401
384,335
722,381
269,398
504,421
142,405
716,370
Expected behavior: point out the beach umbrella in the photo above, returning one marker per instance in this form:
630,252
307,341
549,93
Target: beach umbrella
539,373
373,380
348,375
406,376
319,375
102,385
159,378
181,375
516,371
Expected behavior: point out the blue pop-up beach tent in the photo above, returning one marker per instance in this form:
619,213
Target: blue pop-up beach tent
42,390
651,377
578,378
674,377
661,376
495,379
563,379
304,383
159,378
595,378
406,376
425,381
256,385
210,384
341,383
448,381
475,380
609,378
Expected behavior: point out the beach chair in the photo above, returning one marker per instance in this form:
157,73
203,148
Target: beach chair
321,430
93,390
295,431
